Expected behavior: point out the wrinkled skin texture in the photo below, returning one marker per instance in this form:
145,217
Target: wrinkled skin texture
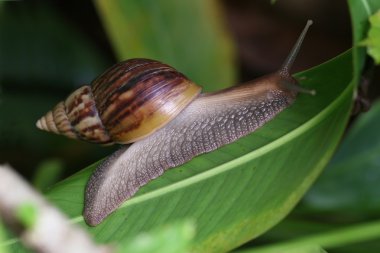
211,121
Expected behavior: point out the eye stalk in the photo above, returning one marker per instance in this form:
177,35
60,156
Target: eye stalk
288,63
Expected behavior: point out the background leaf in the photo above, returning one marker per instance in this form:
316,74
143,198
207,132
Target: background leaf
47,174
360,11
373,39
3,248
350,182
185,34
175,238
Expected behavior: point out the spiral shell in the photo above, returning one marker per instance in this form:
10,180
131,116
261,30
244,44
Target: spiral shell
129,101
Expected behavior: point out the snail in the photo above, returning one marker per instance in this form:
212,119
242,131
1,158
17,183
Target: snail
165,117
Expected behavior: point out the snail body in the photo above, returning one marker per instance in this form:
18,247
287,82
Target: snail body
192,123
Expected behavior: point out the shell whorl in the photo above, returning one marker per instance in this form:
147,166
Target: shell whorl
56,121
76,118
137,97
128,102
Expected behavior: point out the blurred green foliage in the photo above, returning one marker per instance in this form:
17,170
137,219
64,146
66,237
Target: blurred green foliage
326,239
27,214
3,248
294,249
360,12
349,185
189,35
175,238
373,39
47,173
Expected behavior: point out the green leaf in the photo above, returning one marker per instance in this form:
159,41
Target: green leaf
27,214
296,231
185,34
330,239
293,249
173,238
241,190
360,11
373,39
47,174
350,183
3,248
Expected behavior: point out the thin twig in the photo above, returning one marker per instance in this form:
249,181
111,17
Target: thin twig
46,229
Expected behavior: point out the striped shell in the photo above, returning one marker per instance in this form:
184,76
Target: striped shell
128,102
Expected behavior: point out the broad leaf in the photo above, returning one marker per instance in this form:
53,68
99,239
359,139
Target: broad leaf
185,34
174,238
357,163
241,190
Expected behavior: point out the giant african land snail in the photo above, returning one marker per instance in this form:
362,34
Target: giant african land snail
168,119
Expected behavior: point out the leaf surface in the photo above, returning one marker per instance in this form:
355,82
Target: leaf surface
350,183
360,11
240,190
187,35
373,40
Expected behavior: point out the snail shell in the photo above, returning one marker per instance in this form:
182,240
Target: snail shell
129,101
195,123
